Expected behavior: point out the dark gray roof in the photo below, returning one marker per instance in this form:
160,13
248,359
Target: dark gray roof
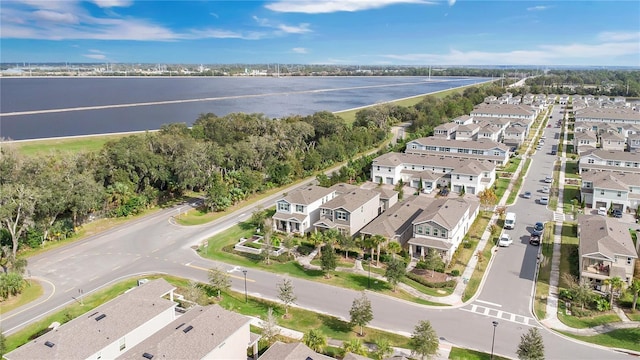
211,327
91,332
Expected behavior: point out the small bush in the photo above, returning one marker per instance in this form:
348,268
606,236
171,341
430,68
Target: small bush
455,272
434,285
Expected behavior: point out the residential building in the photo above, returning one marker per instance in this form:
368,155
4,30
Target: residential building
350,212
622,115
446,130
479,150
516,133
633,143
109,330
428,172
610,189
298,210
605,251
612,141
463,120
442,225
584,141
395,224
291,351
489,131
209,332
600,159
509,111
467,132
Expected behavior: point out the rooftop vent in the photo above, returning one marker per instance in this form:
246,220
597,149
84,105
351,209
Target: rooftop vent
93,314
100,317
179,326
187,329
49,344
147,356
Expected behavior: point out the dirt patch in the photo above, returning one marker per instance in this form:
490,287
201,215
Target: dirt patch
431,276
571,181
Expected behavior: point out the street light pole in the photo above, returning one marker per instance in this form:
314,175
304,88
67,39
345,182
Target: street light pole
246,297
493,340
369,279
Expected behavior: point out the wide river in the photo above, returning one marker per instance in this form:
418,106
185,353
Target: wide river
32,108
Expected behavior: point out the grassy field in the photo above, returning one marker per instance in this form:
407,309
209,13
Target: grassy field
571,170
467,354
569,246
74,144
544,272
570,193
622,338
463,255
518,184
30,293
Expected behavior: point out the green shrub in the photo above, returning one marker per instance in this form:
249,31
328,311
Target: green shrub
455,272
435,285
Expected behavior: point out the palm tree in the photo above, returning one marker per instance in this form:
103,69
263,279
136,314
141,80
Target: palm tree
377,241
615,283
354,346
394,247
317,238
315,340
635,289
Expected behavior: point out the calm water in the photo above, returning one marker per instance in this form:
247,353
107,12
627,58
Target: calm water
52,107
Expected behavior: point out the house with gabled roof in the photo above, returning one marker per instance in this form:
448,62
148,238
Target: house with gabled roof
633,143
349,212
483,149
605,251
608,115
610,189
446,130
516,133
612,141
209,332
442,225
489,131
291,351
463,120
109,330
473,177
509,111
467,132
600,159
297,211
584,141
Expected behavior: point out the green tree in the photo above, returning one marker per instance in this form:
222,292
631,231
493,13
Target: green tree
17,207
270,328
219,280
615,283
267,241
193,293
376,242
361,312
424,340
317,239
346,243
383,349
394,248
328,260
315,340
286,294
433,260
634,288
531,346
396,270
354,346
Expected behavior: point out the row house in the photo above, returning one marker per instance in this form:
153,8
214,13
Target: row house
484,149
612,141
351,211
609,189
508,111
489,131
441,225
604,115
430,172
584,141
298,210
600,159
467,132
516,133
564,99
633,143
446,130
605,251
463,120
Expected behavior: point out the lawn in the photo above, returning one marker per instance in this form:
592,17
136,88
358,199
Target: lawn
30,293
72,145
500,186
571,170
467,354
621,338
512,165
571,193
585,321
518,184
568,252
474,283
544,272
462,255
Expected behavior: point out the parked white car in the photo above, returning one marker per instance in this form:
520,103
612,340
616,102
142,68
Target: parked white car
544,200
544,190
505,240
602,211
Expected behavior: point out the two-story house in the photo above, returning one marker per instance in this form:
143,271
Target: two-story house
489,131
600,159
349,212
516,133
463,120
467,132
610,189
584,141
605,251
442,226
612,141
484,149
298,210
446,130
633,143
608,115
472,176
508,111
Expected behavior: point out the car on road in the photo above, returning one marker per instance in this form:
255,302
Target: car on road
549,125
544,190
617,213
537,229
505,240
543,200
534,240
602,211
527,195
548,179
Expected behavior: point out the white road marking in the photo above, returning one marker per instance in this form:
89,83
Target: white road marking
488,303
499,314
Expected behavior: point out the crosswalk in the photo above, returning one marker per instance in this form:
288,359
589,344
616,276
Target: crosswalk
558,216
499,314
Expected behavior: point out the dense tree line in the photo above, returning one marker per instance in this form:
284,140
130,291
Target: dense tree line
583,82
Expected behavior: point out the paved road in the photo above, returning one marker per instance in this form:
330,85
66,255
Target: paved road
156,244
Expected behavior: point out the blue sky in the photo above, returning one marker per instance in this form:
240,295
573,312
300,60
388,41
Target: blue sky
367,32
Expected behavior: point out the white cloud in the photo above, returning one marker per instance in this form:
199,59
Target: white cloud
299,50
214,15
54,16
451,2
95,56
112,3
538,8
619,36
330,6
300,29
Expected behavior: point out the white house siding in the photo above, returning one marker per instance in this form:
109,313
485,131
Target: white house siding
234,347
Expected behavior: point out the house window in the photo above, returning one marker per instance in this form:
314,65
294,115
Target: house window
444,233
427,230
378,168
283,206
300,208
496,153
341,215
609,163
435,232
457,177
601,192
413,146
419,229
628,261
619,193
470,178
590,161
123,344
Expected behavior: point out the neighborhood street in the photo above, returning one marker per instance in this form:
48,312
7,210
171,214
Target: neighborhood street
155,244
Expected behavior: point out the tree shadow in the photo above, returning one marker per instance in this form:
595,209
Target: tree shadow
336,324
308,272
363,281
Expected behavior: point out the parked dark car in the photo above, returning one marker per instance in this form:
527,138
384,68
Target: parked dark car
534,240
617,213
444,191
